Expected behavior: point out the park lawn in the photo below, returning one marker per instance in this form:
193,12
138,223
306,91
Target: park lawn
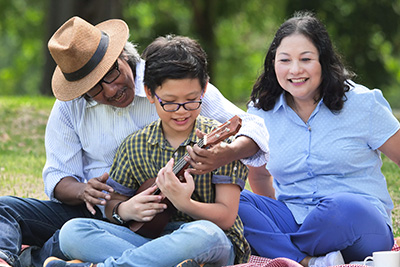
22,154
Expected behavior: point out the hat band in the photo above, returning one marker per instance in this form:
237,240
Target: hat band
93,61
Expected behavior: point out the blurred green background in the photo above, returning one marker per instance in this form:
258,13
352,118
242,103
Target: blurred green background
234,33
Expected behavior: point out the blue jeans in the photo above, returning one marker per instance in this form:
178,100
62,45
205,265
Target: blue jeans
109,244
34,222
343,221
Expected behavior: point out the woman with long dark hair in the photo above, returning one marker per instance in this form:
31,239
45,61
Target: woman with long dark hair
322,199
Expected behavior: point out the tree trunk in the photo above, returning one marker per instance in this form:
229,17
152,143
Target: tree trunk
204,21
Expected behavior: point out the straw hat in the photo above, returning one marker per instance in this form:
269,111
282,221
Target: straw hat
84,54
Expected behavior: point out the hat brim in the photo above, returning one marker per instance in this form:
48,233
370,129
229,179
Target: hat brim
118,33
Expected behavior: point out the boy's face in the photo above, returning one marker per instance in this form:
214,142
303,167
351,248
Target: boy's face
180,122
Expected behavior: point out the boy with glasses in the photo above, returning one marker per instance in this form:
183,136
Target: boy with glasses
206,228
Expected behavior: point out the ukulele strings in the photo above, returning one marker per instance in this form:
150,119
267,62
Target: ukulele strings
178,165
182,162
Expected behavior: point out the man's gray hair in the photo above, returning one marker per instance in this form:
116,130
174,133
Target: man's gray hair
130,52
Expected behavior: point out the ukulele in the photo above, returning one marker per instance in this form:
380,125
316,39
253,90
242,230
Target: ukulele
153,228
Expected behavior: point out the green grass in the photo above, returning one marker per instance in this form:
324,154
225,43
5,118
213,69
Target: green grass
22,154
392,174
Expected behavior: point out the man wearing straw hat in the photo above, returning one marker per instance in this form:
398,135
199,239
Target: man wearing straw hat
98,83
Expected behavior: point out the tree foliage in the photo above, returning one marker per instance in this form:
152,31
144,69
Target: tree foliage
21,60
365,32
235,35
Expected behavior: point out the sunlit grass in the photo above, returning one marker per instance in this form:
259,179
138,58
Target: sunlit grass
392,174
22,154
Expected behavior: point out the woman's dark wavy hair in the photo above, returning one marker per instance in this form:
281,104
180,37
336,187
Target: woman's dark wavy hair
334,83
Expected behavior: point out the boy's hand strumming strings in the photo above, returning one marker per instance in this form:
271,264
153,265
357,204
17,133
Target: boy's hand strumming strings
177,192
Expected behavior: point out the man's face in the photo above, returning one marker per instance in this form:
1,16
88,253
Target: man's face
121,91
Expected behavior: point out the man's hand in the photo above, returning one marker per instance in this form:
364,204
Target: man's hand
72,192
206,160
93,193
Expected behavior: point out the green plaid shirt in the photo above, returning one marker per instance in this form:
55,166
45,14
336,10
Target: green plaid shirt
146,151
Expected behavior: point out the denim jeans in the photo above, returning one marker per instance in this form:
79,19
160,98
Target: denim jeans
34,222
341,221
109,244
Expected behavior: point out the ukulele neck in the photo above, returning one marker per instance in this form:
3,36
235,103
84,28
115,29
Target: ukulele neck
181,163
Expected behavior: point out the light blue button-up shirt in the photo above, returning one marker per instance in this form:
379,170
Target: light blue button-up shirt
82,137
332,152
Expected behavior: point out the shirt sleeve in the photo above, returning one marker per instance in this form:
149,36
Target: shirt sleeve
132,164
120,172
216,106
63,149
383,124
233,173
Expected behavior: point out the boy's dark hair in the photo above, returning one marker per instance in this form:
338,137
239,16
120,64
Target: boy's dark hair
174,57
334,84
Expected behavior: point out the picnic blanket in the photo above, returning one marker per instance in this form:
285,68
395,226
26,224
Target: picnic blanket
256,261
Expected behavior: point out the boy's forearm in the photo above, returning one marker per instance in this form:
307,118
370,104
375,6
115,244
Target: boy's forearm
214,212
222,212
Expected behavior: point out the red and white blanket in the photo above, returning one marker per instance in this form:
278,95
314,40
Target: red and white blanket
256,261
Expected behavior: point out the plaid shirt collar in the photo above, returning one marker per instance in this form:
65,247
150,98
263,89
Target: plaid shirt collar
156,136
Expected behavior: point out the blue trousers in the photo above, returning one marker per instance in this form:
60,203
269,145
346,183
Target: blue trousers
36,223
345,222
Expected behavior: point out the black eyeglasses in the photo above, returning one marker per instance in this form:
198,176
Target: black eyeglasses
110,77
171,107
